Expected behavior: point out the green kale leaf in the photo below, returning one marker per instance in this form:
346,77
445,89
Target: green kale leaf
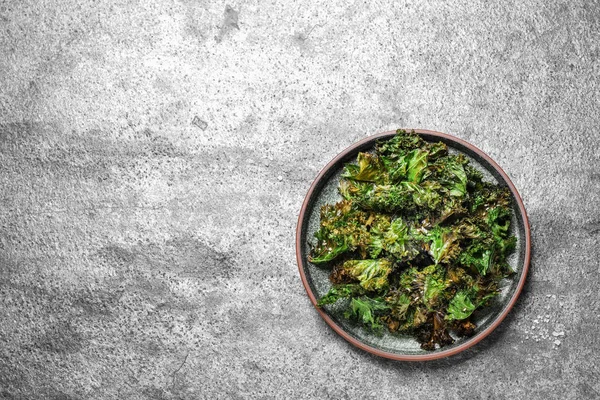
338,292
367,310
461,306
372,274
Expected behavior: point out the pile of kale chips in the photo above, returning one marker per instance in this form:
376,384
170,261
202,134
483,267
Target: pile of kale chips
418,243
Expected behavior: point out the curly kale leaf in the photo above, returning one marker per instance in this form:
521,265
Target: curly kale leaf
457,178
474,176
437,335
370,168
458,277
485,195
338,292
466,301
381,198
450,173
397,168
498,218
426,195
427,285
468,228
409,167
461,306
478,256
437,150
417,162
492,242
399,303
376,243
372,274
432,290
398,242
342,229
378,227
402,197
367,310
395,239
400,144
443,244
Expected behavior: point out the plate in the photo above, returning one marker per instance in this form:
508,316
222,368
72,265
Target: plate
404,347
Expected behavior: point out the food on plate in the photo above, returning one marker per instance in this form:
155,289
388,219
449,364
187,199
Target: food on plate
417,244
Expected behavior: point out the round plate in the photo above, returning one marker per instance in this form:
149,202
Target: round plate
394,346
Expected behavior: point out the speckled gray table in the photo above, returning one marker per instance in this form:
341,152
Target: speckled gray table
154,156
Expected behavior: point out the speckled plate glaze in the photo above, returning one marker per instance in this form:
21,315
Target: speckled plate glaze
394,346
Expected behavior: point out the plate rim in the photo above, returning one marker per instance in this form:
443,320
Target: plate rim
427,356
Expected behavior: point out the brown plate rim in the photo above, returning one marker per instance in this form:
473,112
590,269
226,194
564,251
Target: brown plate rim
438,354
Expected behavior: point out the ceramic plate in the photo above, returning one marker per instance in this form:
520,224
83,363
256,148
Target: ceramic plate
394,346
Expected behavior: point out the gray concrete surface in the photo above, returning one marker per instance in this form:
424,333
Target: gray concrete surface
154,156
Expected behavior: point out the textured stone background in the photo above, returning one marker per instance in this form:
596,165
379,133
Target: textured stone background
154,156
